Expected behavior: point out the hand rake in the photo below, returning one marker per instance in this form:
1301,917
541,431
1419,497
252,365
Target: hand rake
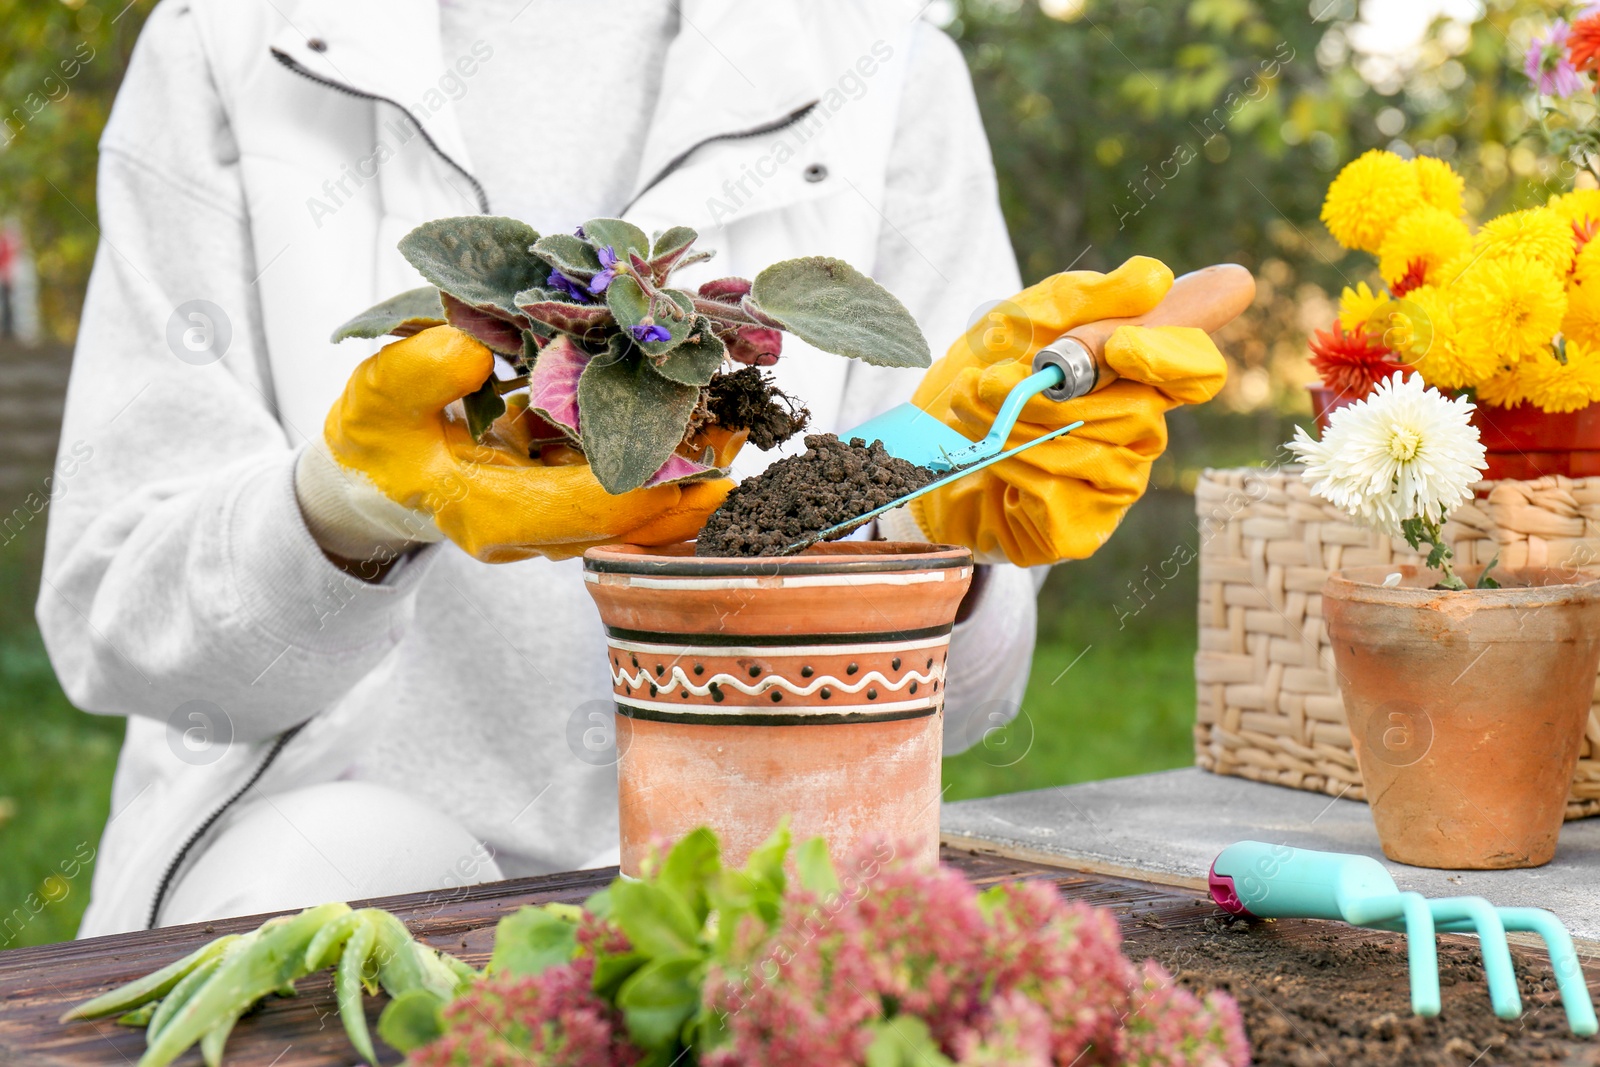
1279,882
1068,368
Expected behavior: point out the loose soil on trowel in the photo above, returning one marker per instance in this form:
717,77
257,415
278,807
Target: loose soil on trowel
1324,1000
829,483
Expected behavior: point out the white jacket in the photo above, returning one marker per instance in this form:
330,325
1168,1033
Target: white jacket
264,162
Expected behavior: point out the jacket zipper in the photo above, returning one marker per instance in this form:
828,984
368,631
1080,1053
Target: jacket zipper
177,861
477,187
755,131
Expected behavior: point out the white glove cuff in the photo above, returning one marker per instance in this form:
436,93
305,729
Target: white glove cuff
349,516
898,525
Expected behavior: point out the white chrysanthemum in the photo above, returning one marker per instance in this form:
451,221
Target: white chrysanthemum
1406,451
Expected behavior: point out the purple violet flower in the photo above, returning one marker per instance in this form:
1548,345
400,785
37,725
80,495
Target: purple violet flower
1547,65
578,233
650,331
608,260
574,290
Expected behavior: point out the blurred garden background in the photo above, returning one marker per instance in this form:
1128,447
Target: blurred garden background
1196,131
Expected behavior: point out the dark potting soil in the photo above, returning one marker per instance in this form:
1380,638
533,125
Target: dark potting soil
1314,999
747,399
797,496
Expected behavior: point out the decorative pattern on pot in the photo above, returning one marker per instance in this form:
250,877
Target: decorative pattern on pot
748,690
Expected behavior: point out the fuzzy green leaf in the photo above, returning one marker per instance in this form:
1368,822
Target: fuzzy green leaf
481,260
529,941
632,419
697,359
411,312
486,326
631,307
622,237
556,311
412,1019
831,305
658,999
669,248
571,255
483,407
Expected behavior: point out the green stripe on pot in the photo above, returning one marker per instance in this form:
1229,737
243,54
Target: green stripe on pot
739,717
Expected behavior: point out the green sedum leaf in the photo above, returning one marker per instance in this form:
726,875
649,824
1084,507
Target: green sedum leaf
815,868
658,919
690,868
659,998
412,1019
531,940
904,1041
411,312
482,260
829,304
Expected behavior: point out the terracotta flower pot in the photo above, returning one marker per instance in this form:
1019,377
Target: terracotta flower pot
1521,442
1466,709
810,686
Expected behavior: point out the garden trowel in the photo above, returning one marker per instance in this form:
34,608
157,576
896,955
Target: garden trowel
1068,368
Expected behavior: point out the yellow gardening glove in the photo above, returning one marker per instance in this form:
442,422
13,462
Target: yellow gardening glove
394,430
1062,499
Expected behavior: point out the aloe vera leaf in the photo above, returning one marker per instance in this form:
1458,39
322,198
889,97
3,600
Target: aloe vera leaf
347,988
152,986
404,964
181,994
212,1043
277,956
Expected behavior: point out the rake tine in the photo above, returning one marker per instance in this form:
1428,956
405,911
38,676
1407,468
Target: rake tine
1408,912
1503,994
1563,961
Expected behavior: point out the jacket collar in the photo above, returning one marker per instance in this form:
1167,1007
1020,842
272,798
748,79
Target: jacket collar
388,49
734,67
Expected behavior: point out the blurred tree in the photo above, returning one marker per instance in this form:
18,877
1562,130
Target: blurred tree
60,64
1199,131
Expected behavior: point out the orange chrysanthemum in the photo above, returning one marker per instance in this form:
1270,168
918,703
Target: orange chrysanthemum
1583,43
1353,362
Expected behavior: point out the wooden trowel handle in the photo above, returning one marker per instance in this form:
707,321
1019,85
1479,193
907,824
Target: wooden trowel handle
1208,298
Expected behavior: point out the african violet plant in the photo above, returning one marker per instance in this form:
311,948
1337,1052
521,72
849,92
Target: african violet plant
616,359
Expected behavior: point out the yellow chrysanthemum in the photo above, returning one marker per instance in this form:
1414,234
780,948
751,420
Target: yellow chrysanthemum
1508,307
1554,386
1505,388
1441,185
1370,194
1578,205
1423,332
1359,307
1537,233
1582,321
1423,240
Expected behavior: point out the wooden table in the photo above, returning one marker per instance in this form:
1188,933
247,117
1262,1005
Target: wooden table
38,984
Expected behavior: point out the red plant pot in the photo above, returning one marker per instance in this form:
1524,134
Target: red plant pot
1522,442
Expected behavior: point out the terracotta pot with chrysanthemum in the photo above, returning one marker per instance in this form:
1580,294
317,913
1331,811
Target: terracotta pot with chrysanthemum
1466,692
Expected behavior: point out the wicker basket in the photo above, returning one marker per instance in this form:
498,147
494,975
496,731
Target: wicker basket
1268,705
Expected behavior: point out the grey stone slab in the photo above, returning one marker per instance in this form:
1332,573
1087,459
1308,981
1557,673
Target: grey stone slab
1168,827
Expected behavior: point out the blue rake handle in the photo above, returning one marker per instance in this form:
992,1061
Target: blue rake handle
1276,881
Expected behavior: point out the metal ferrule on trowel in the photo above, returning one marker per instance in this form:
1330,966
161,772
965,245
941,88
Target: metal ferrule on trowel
1070,367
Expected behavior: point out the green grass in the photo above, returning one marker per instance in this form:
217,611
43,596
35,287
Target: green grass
55,773
1101,703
